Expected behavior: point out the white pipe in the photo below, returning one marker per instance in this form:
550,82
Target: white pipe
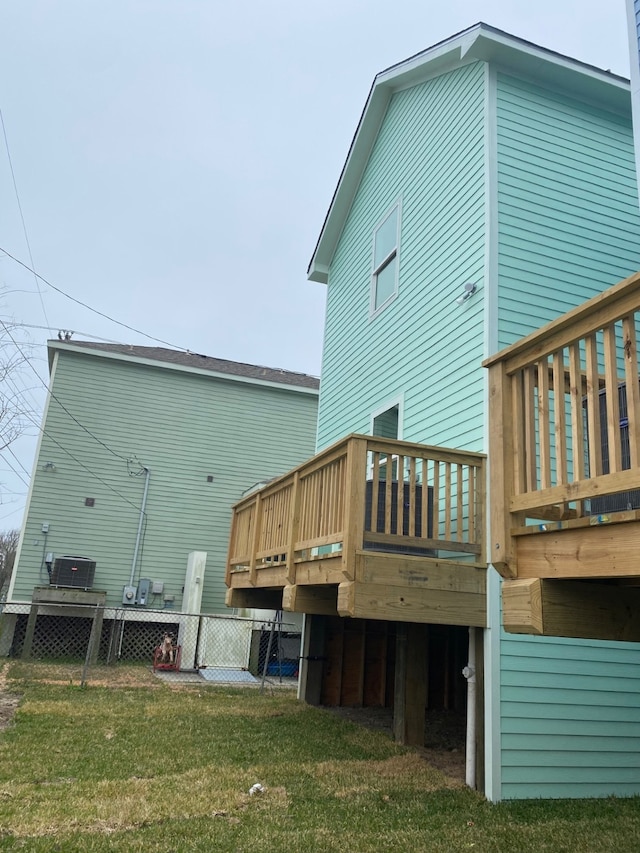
469,673
147,475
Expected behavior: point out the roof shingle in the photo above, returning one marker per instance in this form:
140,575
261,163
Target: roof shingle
201,362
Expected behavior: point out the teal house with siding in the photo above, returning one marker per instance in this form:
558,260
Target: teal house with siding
490,187
142,452
490,164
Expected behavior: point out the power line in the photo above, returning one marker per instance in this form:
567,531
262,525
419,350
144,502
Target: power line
89,308
76,332
40,428
19,462
16,472
24,225
62,406
88,431
13,512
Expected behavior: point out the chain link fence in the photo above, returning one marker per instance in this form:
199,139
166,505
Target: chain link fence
221,648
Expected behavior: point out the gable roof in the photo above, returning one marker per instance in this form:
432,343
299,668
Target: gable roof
479,43
192,362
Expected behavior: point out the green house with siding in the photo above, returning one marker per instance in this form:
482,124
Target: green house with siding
142,452
489,188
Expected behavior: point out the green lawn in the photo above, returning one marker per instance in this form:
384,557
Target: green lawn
131,764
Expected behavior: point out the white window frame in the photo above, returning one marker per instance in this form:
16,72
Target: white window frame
391,404
392,256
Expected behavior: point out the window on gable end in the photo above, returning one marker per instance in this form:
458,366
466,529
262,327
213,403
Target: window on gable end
386,238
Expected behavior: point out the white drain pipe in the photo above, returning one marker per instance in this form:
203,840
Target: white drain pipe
143,507
469,673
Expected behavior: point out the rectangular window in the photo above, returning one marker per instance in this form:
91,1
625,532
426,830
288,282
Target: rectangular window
384,283
386,424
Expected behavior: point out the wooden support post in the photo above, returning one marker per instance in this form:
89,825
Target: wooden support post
479,665
231,548
356,477
294,527
501,454
410,684
68,601
312,662
375,664
96,633
561,608
255,539
353,657
31,627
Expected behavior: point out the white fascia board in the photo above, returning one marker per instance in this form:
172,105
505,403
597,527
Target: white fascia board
477,44
183,368
492,633
634,62
562,73
402,76
353,169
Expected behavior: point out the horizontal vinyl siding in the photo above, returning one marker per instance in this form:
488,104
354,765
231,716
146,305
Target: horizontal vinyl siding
568,216
430,154
570,718
184,428
568,227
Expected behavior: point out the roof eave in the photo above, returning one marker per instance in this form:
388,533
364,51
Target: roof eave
480,43
55,346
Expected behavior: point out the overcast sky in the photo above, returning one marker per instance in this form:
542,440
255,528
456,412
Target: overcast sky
175,159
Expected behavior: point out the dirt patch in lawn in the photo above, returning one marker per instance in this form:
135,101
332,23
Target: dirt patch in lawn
120,675
8,701
444,735
50,673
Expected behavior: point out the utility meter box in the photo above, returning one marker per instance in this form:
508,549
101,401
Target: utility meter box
144,589
129,595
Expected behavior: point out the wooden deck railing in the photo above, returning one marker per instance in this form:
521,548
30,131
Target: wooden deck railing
363,492
565,420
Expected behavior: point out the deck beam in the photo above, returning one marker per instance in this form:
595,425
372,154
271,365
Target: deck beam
560,608
260,599
319,600
600,550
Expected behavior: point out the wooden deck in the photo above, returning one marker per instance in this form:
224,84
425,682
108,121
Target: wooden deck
370,528
565,471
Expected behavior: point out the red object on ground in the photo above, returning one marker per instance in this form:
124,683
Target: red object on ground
158,663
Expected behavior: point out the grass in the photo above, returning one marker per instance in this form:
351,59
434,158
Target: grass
153,768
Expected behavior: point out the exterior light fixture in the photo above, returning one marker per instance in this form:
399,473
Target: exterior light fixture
469,289
49,466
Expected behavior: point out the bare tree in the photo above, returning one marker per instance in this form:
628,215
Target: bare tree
8,547
16,413
12,360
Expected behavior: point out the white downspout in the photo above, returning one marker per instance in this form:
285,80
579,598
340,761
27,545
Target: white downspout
469,673
143,507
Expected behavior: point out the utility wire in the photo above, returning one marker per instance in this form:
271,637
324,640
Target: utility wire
88,307
76,332
40,428
13,512
24,225
62,406
64,449
16,472
18,461
22,393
